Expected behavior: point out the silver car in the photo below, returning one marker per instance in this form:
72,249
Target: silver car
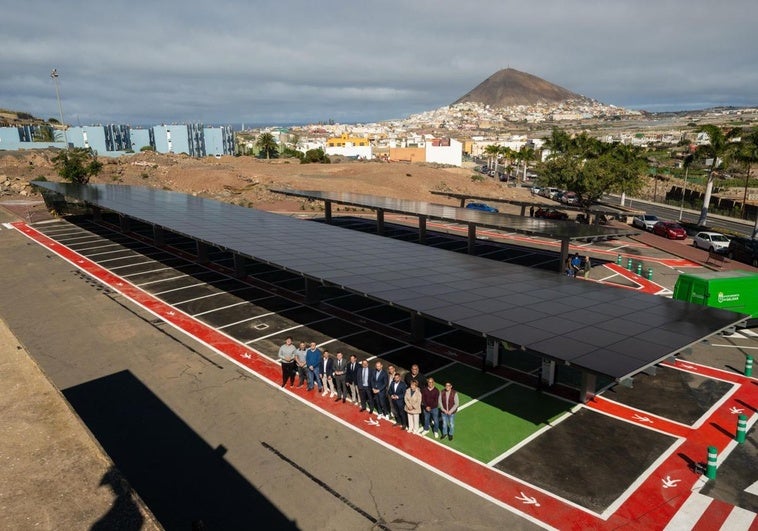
714,242
645,221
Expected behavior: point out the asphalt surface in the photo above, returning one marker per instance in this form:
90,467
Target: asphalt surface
199,439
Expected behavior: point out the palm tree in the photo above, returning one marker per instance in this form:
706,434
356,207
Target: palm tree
717,149
747,153
267,145
508,155
526,154
492,152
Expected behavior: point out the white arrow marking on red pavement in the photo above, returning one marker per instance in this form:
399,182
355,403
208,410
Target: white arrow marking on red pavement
247,356
527,500
668,482
692,367
641,418
735,410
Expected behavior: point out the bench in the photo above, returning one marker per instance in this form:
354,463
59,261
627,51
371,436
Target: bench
716,259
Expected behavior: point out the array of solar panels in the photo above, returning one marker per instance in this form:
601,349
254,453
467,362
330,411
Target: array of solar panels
609,331
597,208
521,224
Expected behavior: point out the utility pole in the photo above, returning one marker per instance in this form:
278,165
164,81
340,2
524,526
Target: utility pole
54,75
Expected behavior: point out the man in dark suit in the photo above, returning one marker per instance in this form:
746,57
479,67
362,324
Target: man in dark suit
339,375
351,379
397,395
379,384
363,382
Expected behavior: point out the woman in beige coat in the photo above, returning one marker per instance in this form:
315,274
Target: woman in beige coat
413,406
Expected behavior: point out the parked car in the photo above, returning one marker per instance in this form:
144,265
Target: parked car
744,250
645,221
550,213
550,192
670,229
482,206
569,198
714,242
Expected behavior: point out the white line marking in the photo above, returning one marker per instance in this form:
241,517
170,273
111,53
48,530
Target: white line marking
142,272
207,296
689,513
222,307
148,261
162,280
730,346
441,368
246,320
480,397
739,519
178,289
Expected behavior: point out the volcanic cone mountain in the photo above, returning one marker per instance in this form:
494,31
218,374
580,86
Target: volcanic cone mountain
509,87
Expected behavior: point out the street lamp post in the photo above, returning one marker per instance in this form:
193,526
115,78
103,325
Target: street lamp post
54,75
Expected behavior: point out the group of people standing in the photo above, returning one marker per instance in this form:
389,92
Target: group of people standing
412,402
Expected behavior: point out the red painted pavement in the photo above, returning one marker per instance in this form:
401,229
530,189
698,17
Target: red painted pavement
650,506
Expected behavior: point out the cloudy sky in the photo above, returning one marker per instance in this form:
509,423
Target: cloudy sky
295,61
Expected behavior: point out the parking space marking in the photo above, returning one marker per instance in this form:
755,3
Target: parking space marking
284,330
246,320
162,280
149,261
212,295
438,369
159,293
98,254
220,308
141,272
485,395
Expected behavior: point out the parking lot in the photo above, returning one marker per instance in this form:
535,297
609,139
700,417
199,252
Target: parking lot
515,443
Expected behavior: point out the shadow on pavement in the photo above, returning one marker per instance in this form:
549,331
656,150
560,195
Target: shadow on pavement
183,480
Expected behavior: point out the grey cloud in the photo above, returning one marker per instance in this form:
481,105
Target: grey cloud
297,61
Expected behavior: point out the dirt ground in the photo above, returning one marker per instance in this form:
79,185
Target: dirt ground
246,181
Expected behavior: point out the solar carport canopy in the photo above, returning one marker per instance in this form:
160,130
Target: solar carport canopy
608,331
509,222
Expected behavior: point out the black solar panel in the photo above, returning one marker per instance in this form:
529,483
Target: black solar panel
610,331
548,228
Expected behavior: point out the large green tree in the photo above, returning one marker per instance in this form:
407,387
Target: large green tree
267,146
591,168
77,165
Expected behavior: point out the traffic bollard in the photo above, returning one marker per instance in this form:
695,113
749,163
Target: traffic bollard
710,471
749,366
618,259
741,428
650,273
629,264
639,268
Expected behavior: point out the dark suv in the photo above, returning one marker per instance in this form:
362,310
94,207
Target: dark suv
743,249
